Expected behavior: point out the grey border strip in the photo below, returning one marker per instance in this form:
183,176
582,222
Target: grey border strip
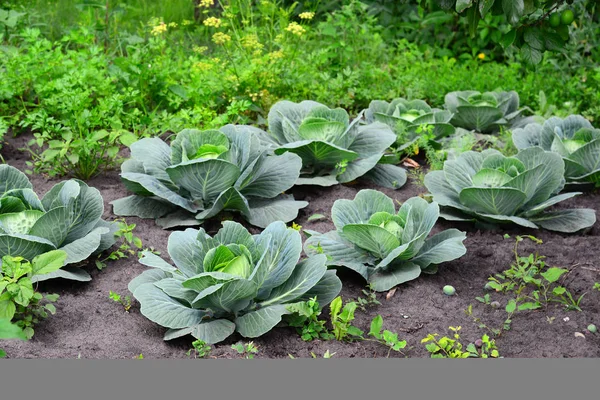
300,379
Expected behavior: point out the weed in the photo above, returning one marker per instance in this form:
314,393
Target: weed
305,318
447,347
247,350
130,244
125,302
200,348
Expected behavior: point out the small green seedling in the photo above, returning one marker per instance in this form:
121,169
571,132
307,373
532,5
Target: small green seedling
369,300
130,244
447,347
247,350
341,320
125,302
327,354
200,348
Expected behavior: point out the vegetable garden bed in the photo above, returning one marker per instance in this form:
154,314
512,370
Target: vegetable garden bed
88,324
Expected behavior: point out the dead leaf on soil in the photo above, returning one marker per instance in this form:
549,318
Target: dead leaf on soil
390,294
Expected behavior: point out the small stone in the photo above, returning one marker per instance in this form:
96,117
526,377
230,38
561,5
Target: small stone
579,334
449,290
592,328
495,304
479,343
566,319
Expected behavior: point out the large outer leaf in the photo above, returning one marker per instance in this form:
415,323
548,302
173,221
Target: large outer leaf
12,178
568,221
214,331
143,207
80,249
358,168
230,199
478,118
245,143
148,276
372,139
420,218
305,276
158,307
272,175
259,322
177,218
390,176
514,10
497,201
204,179
147,185
385,280
441,247
317,153
443,193
529,136
325,290
283,248
72,273
375,239
281,208
25,246
155,156
187,252
588,156
340,252
366,203
233,296
549,176
459,172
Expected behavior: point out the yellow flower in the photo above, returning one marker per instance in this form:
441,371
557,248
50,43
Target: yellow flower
275,55
251,42
221,38
206,3
172,24
158,29
186,22
199,49
295,28
212,21
307,15
481,56
203,66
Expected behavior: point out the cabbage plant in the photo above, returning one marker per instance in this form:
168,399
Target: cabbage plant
410,120
573,138
230,282
493,188
483,112
333,149
68,218
205,172
386,247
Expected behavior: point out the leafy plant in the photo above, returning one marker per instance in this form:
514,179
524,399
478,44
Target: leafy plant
129,242
333,150
370,298
574,139
230,282
67,218
200,348
483,112
205,172
247,350
533,283
407,118
447,347
386,247
19,301
305,318
8,331
496,189
117,298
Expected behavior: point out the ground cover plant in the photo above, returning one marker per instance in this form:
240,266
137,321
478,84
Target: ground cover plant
386,247
205,172
231,282
574,139
67,218
490,187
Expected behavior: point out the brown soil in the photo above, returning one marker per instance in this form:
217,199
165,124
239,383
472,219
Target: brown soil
90,325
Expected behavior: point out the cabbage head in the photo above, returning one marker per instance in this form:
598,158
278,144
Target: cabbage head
230,282
574,139
68,218
205,172
496,189
333,149
386,247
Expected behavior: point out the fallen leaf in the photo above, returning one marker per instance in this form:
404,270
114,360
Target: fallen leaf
390,294
579,334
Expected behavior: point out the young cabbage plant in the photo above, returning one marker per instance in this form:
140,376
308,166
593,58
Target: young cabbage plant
333,149
496,189
386,247
205,172
409,119
574,139
232,282
483,112
68,218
